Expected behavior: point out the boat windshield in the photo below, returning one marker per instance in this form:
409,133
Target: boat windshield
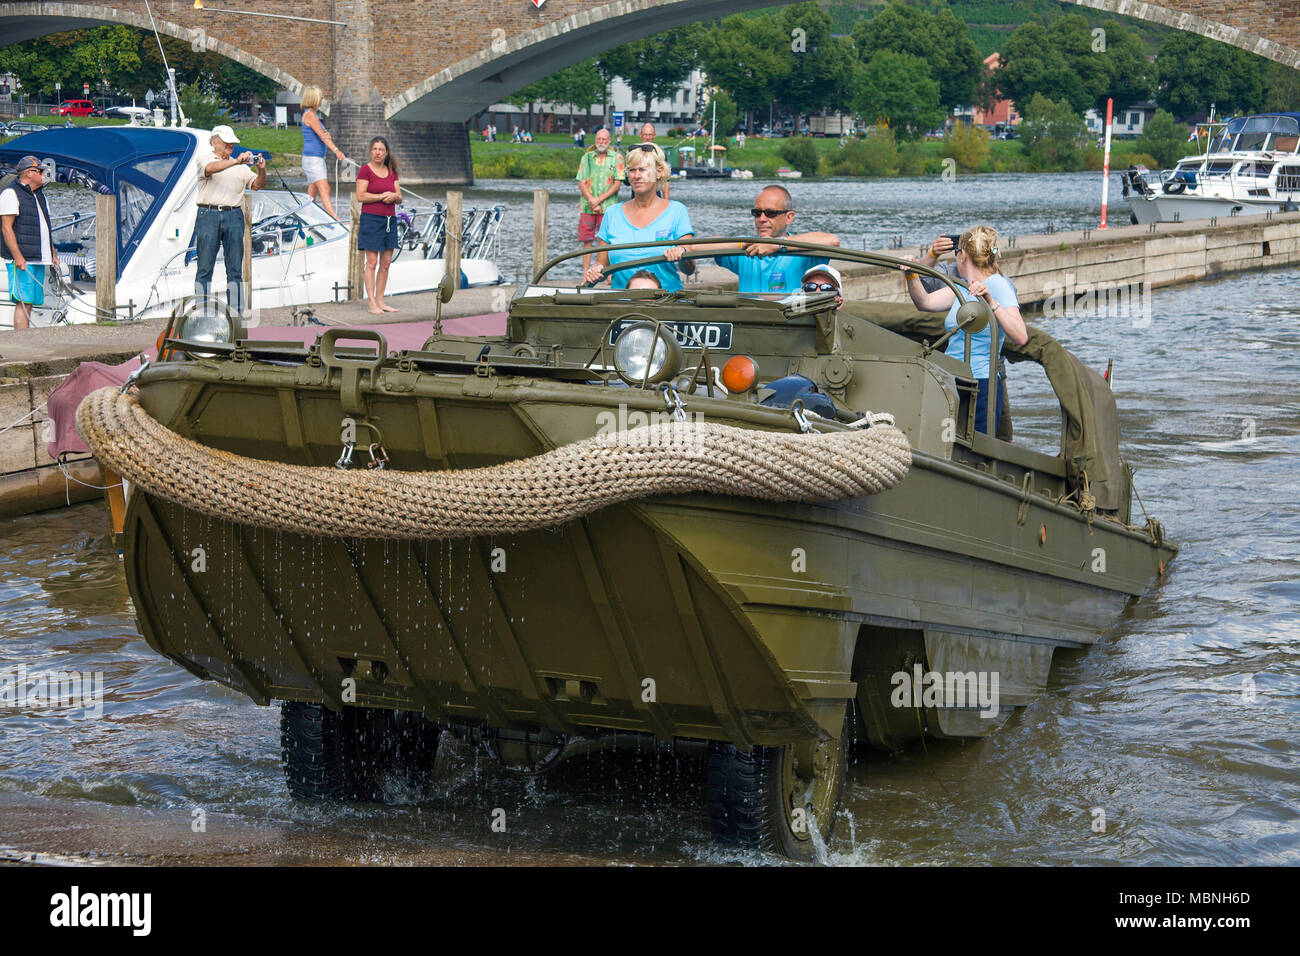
294,212
1259,133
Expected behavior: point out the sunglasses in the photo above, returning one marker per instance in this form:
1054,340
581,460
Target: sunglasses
648,147
820,287
769,213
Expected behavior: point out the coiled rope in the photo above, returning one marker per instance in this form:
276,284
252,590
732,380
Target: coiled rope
539,492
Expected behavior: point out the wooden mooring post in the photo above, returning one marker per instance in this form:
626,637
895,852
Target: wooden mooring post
356,257
455,228
106,256
541,217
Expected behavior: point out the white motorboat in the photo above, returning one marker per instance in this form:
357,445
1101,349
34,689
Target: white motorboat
300,254
1251,164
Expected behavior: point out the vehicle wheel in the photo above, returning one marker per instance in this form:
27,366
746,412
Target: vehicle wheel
779,799
329,756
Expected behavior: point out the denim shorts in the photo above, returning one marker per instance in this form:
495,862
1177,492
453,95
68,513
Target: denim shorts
377,233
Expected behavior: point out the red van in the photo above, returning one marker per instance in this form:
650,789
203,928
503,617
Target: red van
74,108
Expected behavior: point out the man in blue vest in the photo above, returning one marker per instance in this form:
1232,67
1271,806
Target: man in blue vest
762,266
27,247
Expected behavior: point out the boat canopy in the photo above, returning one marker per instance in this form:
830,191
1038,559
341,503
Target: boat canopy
140,166
1275,131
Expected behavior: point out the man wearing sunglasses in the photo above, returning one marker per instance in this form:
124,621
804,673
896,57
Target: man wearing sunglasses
762,266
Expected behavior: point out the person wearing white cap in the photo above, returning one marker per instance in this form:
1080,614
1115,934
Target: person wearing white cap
821,279
219,224
26,244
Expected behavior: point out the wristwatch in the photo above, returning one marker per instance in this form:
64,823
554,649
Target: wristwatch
994,305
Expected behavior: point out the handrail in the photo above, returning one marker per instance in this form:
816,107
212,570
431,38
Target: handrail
829,252
826,252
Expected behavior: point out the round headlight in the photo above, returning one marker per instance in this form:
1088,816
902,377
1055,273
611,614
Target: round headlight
205,326
646,353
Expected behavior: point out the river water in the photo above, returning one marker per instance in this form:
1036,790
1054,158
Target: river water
1179,729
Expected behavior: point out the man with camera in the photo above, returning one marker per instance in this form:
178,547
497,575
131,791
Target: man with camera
223,177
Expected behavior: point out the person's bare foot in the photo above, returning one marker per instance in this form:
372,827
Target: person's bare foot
389,308
374,310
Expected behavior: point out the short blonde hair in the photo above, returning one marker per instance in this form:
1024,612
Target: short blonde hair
643,153
981,244
311,98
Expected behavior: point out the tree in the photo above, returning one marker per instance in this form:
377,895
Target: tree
727,114
1030,64
1130,77
746,56
656,66
1194,72
1164,138
1281,87
1074,41
941,39
203,108
1052,134
897,90
820,66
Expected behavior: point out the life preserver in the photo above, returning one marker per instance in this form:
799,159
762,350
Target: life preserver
1174,188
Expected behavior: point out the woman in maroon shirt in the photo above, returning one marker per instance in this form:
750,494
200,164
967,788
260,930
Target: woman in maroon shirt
379,194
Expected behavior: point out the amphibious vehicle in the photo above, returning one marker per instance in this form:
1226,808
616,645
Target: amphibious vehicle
477,587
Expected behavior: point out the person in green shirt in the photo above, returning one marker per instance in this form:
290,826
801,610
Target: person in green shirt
600,173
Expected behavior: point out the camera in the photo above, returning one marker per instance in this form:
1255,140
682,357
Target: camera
955,239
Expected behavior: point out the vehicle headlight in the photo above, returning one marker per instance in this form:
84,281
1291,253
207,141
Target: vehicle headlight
205,326
644,352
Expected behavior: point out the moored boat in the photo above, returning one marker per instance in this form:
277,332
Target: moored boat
299,254
1251,164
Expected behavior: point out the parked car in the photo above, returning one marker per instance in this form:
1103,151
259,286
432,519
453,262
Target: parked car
19,127
74,108
142,114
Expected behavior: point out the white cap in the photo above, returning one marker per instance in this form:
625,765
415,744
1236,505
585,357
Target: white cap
226,133
825,270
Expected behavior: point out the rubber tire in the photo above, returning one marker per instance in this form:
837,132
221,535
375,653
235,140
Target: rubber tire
744,800
333,757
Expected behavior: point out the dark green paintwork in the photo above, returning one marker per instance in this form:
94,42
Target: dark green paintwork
755,621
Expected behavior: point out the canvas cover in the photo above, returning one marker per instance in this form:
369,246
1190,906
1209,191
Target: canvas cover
1090,432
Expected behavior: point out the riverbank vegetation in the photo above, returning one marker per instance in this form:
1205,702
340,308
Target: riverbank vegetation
877,154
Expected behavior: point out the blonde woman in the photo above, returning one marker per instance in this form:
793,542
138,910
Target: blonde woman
315,140
646,217
977,265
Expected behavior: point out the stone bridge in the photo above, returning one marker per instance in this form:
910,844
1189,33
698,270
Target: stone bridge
417,70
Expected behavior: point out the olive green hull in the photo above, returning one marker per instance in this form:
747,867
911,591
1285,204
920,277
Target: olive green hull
691,616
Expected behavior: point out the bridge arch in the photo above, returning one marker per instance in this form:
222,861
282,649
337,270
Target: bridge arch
1190,20
21,21
462,89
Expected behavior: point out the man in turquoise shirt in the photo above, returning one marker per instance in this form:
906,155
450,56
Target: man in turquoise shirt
760,266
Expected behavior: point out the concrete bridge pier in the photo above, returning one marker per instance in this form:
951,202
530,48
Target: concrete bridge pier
426,152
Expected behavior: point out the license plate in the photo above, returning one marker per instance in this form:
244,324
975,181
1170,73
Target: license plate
689,335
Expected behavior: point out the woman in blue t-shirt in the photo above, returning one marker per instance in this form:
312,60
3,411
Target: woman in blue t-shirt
643,218
977,264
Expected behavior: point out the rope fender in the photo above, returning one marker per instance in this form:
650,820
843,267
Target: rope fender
539,492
